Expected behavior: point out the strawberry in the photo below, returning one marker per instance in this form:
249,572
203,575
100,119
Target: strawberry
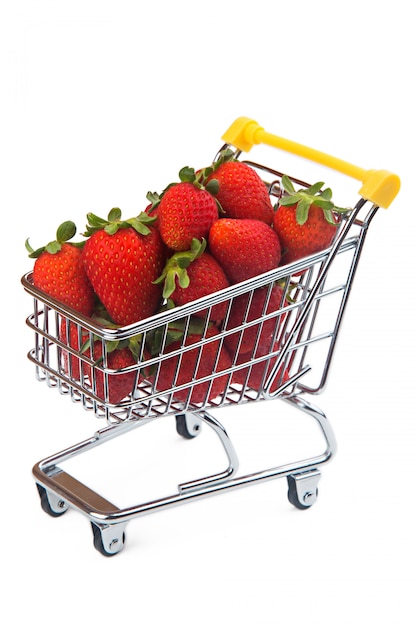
241,192
305,221
75,337
119,356
122,259
59,272
152,211
192,364
249,308
185,210
255,376
206,276
194,274
119,385
244,247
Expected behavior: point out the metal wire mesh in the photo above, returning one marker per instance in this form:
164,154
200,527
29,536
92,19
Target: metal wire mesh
279,343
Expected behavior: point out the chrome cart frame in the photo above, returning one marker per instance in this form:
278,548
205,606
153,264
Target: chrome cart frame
305,330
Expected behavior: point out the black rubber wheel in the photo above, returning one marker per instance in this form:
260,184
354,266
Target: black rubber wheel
98,541
182,428
45,504
293,496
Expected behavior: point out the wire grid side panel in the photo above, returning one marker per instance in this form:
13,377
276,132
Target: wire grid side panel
232,362
313,346
187,361
55,355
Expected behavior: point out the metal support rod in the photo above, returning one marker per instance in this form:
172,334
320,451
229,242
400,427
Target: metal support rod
52,478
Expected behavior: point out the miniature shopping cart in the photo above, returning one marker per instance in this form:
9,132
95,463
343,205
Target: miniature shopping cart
295,367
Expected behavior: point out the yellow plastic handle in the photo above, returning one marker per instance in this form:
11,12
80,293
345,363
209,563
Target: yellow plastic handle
378,186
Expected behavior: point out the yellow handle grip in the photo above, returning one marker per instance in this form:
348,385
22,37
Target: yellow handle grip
378,186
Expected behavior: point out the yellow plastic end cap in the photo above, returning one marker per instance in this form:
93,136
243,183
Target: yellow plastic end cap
380,187
242,133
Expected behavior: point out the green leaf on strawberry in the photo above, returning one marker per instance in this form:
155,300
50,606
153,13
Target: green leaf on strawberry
64,233
223,157
199,179
304,198
176,268
203,175
133,343
154,198
187,175
114,223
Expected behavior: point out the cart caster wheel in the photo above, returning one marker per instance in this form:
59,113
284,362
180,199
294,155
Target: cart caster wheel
108,540
188,426
50,503
302,489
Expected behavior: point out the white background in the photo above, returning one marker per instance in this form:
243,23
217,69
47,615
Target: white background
103,101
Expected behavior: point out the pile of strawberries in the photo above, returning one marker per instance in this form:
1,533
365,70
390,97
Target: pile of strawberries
213,228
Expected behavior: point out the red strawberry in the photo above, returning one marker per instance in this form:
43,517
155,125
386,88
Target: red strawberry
194,274
306,221
244,248
59,272
76,337
152,211
246,308
122,260
193,364
119,385
255,376
186,210
206,276
241,192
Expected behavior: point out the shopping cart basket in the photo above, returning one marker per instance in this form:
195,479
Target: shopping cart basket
303,330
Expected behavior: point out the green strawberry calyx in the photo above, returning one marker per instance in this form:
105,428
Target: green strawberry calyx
304,198
186,175
114,223
64,233
224,156
133,343
176,268
198,179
